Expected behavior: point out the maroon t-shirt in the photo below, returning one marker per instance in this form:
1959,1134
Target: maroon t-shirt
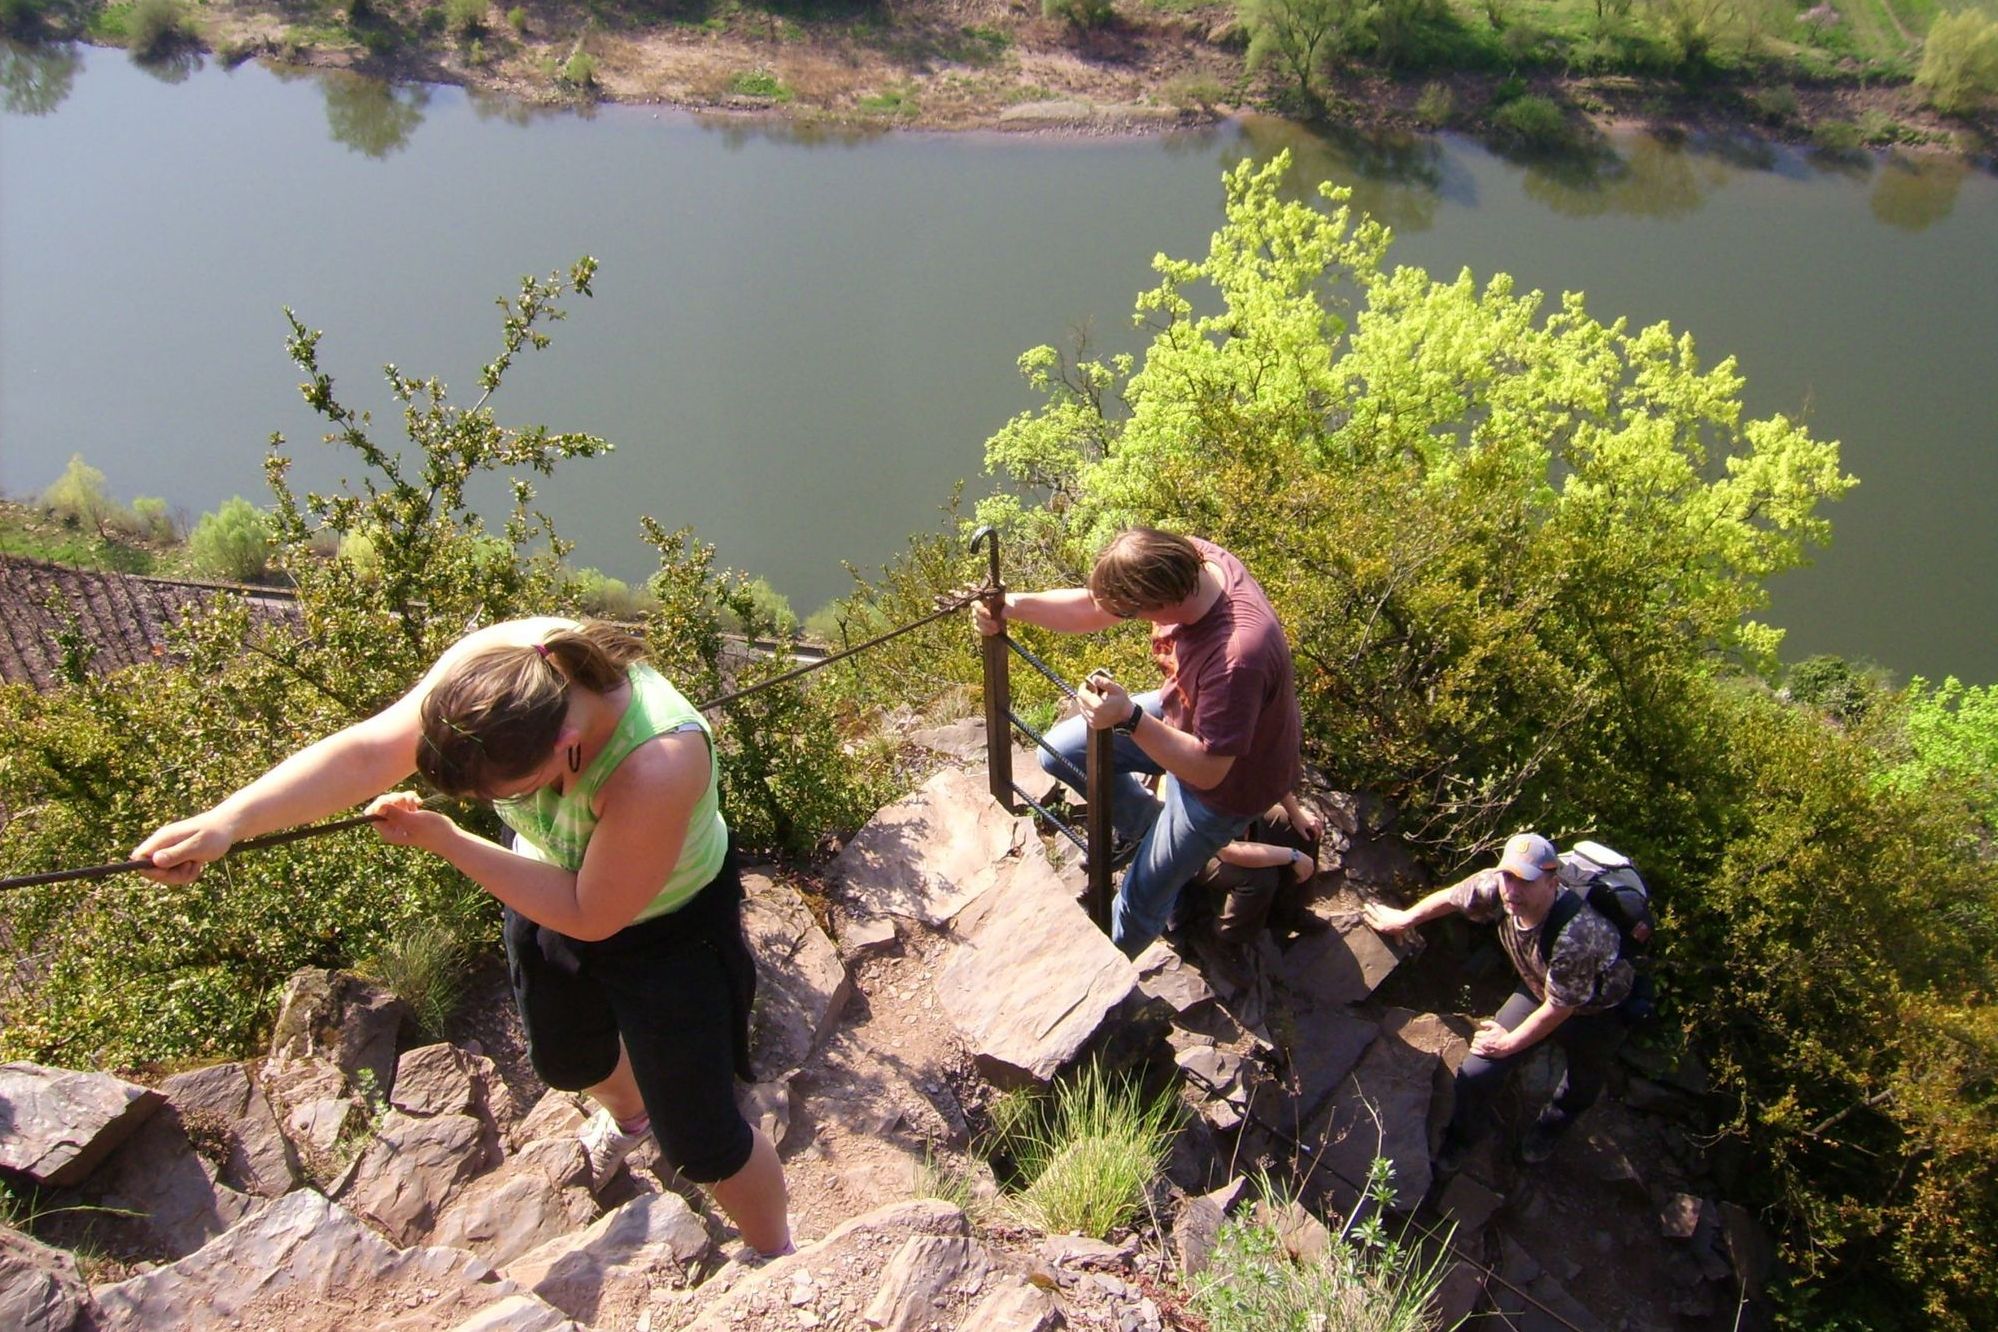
1228,683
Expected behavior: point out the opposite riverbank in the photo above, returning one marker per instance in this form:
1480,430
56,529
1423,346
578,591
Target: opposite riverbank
1139,66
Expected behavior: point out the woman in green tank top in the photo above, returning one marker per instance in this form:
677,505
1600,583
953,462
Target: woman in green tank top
623,905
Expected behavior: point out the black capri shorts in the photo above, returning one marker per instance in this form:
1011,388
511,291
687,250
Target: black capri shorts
677,989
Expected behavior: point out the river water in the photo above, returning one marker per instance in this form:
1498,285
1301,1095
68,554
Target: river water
801,341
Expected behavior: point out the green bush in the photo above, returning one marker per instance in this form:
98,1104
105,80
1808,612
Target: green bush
759,83
77,497
580,71
1959,68
1831,685
233,543
156,28
1084,15
1435,105
1952,733
152,519
1532,121
516,18
1254,1283
1837,136
1775,106
466,18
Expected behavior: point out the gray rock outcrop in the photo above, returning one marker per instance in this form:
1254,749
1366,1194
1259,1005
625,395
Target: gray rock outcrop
1031,981
57,1124
314,1267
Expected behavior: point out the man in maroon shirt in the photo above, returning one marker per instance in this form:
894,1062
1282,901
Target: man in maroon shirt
1223,730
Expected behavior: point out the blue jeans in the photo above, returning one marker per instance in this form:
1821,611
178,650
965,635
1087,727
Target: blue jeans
1177,833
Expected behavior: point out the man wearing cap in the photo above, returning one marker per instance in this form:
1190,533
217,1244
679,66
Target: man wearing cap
1223,731
1569,992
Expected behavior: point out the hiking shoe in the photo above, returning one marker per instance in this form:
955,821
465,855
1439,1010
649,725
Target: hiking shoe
1122,850
1450,1156
1540,1139
605,1145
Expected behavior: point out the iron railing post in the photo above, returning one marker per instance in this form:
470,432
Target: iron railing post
1097,774
998,686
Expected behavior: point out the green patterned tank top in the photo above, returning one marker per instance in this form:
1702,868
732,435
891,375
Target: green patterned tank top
555,826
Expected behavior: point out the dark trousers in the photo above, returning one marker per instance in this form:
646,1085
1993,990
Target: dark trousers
1589,1040
678,990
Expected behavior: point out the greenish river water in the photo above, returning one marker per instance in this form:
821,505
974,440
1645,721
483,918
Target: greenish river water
800,343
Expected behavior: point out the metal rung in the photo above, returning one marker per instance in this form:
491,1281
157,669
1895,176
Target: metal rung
1040,666
1060,824
1074,778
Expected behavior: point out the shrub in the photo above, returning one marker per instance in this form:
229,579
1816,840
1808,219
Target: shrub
1254,1283
1091,1155
1952,731
1435,105
597,593
1775,106
1831,685
516,18
1083,15
466,18
759,83
580,71
1959,66
1878,128
1837,136
1532,121
233,543
893,101
153,520
77,497
156,28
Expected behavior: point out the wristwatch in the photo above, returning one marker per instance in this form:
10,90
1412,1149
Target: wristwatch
1130,723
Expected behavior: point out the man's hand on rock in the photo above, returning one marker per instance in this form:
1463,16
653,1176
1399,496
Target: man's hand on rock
1385,919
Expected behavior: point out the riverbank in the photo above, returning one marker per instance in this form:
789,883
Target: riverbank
1003,65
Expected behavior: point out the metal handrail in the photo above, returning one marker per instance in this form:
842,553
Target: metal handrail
1001,721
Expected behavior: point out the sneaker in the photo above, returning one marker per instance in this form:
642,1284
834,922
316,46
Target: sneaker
605,1145
1538,1142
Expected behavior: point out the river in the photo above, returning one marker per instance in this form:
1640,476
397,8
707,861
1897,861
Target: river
801,340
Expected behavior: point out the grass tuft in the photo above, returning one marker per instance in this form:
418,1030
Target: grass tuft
1089,1154
425,968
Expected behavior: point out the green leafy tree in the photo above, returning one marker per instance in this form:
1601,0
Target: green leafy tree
234,542
1301,37
1959,67
77,496
1952,731
1457,475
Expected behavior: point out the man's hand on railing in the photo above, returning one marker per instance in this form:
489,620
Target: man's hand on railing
1103,701
982,616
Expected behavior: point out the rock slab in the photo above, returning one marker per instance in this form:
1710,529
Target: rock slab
56,1124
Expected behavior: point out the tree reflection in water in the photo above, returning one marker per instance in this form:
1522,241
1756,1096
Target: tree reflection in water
1396,178
1916,192
371,116
34,80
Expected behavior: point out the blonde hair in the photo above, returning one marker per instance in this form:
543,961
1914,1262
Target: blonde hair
1144,569
494,717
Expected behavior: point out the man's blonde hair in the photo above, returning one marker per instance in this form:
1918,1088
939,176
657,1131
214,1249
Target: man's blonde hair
1144,569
